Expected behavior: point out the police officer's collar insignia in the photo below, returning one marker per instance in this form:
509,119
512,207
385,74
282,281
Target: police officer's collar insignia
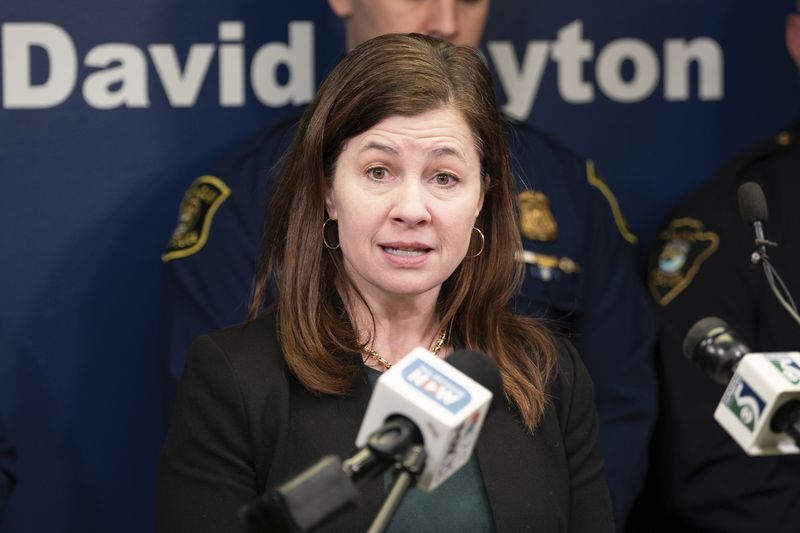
199,204
536,221
685,246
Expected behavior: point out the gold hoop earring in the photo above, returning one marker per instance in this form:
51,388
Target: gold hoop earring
483,241
324,240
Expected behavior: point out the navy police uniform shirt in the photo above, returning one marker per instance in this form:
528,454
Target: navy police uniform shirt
701,480
580,274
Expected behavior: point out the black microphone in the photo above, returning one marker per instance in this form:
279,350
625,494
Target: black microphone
403,421
760,408
714,347
753,210
752,203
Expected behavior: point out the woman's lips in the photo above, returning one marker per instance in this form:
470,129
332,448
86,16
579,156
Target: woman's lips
405,252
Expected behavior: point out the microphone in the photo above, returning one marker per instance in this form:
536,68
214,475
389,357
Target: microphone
752,203
443,400
760,408
753,209
423,417
714,347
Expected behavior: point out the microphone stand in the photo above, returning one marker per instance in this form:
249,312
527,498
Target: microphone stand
760,256
329,487
406,473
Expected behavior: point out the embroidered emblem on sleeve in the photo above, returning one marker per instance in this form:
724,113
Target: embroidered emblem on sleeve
199,204
686,245
595,181
536,221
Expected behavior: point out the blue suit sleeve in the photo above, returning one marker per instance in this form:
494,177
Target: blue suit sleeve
208,290
208,284
617,328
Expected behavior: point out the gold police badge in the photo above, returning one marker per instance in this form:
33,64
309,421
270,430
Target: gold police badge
686,245
535,218
199,204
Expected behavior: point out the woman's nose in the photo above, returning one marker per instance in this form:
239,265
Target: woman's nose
410,203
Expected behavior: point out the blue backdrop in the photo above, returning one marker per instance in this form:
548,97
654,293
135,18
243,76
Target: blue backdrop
111,108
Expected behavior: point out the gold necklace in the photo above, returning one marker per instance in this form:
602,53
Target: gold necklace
436,345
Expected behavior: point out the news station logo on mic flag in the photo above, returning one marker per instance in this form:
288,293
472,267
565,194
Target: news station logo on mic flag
763,384
447,406
788,368
447,393
744,402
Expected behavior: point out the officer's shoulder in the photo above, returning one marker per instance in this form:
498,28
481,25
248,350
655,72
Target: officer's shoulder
708,218
533,148
774,147
522,136
239,182
753,164
264,146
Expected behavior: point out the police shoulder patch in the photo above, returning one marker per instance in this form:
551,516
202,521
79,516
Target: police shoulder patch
199,204
685,246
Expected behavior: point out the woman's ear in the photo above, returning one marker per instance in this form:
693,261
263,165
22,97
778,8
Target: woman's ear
330,204
484,187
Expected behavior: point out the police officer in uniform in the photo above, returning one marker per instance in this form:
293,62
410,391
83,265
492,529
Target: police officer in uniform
579,253
701,480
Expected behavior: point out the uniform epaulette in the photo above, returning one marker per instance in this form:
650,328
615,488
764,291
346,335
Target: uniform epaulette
759,152
785,138
773,144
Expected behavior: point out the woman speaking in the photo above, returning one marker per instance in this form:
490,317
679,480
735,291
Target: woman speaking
392,226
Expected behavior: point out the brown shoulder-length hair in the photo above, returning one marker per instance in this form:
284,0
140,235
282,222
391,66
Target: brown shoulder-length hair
387,76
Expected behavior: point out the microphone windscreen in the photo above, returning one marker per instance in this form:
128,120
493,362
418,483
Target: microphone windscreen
752,204
698,332
480,367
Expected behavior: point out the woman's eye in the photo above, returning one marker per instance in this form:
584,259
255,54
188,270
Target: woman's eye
378,173
445,179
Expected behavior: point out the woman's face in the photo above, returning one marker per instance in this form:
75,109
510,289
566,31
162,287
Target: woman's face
406,194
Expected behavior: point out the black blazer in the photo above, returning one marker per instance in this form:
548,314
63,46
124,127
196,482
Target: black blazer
242,423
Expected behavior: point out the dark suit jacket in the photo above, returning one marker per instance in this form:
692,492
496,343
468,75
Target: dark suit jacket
242,423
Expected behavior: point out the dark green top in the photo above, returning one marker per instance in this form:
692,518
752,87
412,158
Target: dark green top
459,504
